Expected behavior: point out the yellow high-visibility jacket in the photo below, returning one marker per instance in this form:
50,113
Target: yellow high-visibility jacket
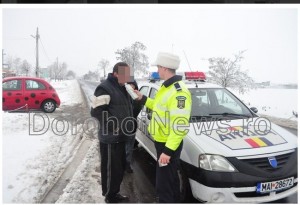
171,109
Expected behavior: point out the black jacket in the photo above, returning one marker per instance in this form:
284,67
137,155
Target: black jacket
113,107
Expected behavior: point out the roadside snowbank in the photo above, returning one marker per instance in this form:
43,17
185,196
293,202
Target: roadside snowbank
32,163
85,184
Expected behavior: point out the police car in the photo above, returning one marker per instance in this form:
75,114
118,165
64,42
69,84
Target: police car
230,154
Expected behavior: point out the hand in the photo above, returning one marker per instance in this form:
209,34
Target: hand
164,159
139,94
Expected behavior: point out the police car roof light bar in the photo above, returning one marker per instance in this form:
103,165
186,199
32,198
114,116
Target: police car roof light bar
196,76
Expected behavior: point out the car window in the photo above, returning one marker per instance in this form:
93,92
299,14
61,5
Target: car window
153,92
144,90
227,101
12,85
34,85
212,101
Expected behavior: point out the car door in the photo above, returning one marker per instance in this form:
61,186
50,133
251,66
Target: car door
143,135
12,95
34,93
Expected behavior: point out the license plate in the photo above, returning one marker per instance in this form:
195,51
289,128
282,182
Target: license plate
266,187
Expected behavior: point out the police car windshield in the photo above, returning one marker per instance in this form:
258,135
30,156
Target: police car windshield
217,103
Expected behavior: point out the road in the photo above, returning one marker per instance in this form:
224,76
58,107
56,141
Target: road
140,185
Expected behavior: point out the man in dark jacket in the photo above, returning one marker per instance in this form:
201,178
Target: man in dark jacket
112,106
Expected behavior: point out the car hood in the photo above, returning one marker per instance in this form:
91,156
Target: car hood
240,137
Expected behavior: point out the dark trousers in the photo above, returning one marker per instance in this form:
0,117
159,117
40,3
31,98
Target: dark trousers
113,162
167,179
129,150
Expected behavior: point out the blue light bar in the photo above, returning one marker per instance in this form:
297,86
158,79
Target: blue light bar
154,76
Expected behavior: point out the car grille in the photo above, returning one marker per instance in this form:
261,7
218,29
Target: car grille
263,163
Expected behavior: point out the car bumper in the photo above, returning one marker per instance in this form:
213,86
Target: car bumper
237,195
240,186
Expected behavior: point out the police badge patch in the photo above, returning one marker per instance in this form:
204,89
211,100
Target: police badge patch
181,102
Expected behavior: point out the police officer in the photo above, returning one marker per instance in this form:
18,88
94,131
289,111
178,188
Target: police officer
169,124
112,106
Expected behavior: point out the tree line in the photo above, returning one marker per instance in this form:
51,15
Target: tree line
16,66
223,71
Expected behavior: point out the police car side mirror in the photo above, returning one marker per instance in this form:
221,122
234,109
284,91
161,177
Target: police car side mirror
254,109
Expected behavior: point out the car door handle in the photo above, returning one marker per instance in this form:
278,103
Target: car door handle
18,93
43,93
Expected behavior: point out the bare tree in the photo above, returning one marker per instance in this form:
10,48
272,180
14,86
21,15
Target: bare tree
10,63
90,76
17,65
227,73
71,75
63,70
57,71
103,65
134,57
25,67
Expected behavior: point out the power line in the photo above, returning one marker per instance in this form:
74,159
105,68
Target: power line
16,39
45,51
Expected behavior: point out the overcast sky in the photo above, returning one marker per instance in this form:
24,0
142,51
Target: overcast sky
81,37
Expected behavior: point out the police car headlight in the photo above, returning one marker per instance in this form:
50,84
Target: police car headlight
215,163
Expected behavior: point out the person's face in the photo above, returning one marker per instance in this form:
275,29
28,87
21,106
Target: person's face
123,74
161,71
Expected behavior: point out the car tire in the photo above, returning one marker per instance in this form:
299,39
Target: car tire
48,106
185,188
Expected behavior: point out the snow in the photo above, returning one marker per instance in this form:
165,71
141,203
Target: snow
32,163
279,103
68,91
85,184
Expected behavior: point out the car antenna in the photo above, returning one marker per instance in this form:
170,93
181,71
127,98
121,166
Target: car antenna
189,66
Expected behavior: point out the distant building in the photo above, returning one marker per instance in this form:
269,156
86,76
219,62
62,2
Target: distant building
263,84
8,73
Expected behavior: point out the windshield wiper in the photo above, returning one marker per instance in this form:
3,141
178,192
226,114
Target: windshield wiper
231,114
201,116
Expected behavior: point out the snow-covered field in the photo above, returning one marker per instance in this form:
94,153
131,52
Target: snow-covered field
271,101
276,104
32,163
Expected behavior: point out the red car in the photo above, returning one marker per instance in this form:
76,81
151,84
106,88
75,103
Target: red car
28,93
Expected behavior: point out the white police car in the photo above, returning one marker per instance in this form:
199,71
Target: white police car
230,154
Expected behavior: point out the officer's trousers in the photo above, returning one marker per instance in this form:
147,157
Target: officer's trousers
113,162
167,179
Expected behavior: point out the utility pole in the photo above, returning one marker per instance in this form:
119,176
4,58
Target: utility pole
37,36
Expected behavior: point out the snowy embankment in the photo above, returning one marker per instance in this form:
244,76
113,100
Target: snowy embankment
276,104
33,163
85,184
